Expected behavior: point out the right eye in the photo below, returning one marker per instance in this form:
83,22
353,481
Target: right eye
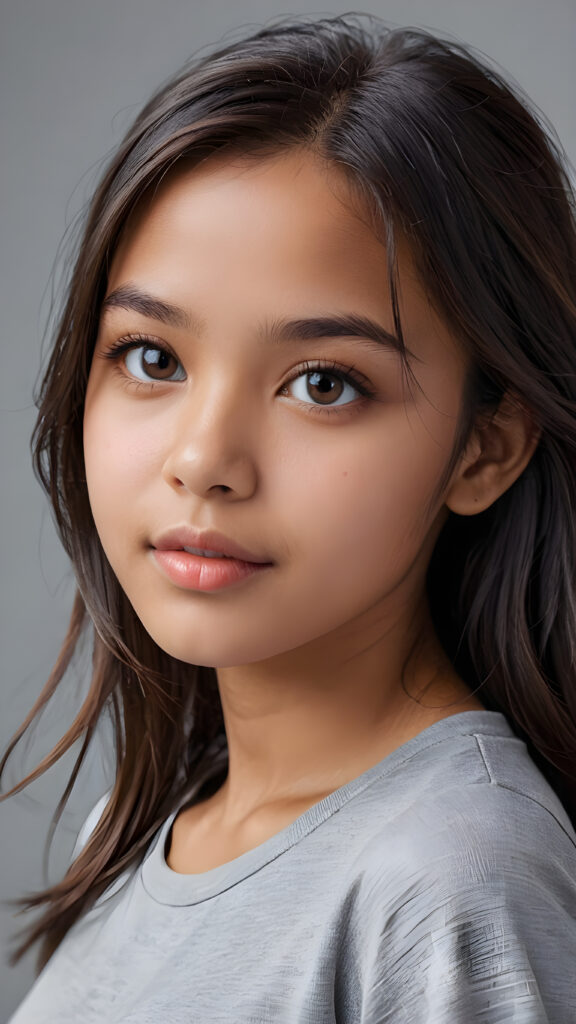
147,362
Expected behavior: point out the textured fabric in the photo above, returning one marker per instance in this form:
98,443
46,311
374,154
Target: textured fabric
438,887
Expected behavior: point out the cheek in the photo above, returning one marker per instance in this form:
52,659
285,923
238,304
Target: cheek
120,459
360,504
370,492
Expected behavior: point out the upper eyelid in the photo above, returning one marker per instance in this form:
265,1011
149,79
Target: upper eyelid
136,340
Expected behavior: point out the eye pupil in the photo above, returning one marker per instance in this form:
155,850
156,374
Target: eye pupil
153,357
162,363
323,383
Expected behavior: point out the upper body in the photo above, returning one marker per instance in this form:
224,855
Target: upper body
437,887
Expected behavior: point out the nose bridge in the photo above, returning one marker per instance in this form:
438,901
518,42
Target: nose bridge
221,410
214,438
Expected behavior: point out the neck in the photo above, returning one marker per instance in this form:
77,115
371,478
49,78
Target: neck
310,721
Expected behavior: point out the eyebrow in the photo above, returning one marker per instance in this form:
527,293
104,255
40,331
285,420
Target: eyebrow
336,325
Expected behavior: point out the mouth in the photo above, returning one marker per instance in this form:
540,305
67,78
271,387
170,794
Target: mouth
205,554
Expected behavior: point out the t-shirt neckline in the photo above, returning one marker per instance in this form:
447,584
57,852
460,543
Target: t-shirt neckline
171,887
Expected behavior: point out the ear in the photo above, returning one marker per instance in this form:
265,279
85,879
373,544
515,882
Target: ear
499,450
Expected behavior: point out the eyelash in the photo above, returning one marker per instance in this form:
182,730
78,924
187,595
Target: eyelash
347,374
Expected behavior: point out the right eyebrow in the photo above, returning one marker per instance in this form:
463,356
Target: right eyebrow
335,325
129,297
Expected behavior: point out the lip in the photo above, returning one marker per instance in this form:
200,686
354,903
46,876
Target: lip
195,572
179,537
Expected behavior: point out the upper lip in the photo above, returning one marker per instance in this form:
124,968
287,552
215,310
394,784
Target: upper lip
207,540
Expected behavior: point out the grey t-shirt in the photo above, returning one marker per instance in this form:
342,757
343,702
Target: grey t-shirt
438,887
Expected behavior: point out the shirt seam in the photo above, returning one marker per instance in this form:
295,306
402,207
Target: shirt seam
483,754
389,766
515,789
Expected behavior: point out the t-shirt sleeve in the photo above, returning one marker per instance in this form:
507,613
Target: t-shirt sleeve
89,825
472,932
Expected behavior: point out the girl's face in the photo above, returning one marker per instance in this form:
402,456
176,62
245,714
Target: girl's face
305,449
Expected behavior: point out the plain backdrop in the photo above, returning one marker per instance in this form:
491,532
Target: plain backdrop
73,74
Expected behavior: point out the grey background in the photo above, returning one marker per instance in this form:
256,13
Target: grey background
73,74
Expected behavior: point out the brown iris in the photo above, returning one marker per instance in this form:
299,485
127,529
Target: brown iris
158,363
321,386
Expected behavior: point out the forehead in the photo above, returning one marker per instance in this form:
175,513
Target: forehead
284,235
293,202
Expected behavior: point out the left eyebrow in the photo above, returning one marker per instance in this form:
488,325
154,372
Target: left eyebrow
336,325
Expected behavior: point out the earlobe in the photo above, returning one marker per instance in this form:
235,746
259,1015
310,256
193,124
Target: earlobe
498,451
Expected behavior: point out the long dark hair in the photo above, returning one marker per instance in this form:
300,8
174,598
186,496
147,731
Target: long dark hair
436,145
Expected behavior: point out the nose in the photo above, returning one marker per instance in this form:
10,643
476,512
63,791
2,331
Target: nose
212,447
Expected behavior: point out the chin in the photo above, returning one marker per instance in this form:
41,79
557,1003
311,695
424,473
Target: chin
216,654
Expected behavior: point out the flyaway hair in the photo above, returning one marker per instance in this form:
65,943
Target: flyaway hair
438,148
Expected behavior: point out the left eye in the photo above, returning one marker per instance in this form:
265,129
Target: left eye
148,362
323,388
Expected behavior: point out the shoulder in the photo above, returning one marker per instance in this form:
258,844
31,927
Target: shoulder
481,854
484,830
466,908
476,823
478,799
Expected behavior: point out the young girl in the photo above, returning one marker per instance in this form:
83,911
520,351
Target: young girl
309,432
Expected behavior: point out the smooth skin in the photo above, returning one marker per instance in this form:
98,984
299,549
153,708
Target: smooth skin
330,485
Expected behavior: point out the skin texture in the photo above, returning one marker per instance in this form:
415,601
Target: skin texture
308,654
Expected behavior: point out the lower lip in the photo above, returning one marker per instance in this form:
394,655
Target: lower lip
195,572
